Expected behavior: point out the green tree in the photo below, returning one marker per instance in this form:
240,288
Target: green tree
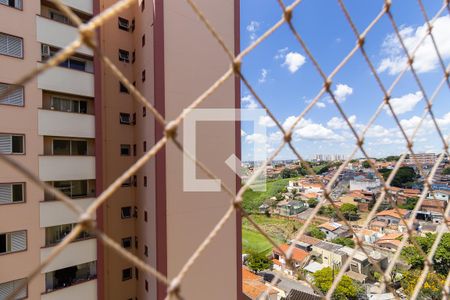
312,202
366,164
258,262
405,176
441,259
446,171
392,158
431,289
327,211
317,233
344,242
346,289
288,173
350,211
324,169
409,203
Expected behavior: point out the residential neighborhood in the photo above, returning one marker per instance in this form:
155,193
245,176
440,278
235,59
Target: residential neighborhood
342,224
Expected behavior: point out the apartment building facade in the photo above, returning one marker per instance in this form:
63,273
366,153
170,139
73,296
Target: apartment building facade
78,128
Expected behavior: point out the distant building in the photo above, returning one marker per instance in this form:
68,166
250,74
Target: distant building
427,159
291,208
334,230
299,258
364,184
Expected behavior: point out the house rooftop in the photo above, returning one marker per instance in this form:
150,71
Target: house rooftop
359,255
297,254
331,226
309,240
300,295
328,246
394,213
253,285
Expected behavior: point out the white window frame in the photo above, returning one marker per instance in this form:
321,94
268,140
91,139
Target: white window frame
12,98
124,24
7,191
8,39
10,242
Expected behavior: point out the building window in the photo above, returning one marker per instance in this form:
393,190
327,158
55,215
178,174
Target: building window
146,285
145,181
12,193
133,57
58,17
145,146
143,40
134,118
12,144
68,105
134,180
146,250
127,274
142,5
123,88
69,276
125,150
14,97
126,212
126,242
145,216
70,147
144,111
133,24
124,55
134,150
143,76
7,287
11,45
136,272
75,64
136,244
127,182
123,23
72,189
55,234
125,118
13,241
12,3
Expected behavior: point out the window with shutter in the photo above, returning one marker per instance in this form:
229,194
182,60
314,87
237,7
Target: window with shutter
5,144
11,45
12,3
15,96
7,288
13,241
11,193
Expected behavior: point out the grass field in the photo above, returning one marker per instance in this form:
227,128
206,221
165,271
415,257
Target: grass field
279,229
255,241
252,200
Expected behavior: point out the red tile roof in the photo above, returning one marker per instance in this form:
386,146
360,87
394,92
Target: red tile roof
297,254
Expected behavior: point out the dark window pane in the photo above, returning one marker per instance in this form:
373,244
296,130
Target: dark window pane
83,107
17,144
125,150
2,243
126,212
127,274
17,192
79,147
77,65
64,187
79,188
61,147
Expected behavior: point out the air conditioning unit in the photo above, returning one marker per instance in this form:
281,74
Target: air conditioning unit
45,50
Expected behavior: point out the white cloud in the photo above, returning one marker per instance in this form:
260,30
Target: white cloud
243,133
320,104
266,121
256,138
425,59
308,130
252,28
293,61
339,123
281,53
263,75
341,92
404,103
249,102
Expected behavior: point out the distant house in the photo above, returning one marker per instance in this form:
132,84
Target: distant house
389,218
439,195
365,184
299,258
368,236
291,208
301,295
334,230
328,254
430,205
390,241
254,287
263,208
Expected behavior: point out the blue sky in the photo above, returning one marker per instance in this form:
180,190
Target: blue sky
285,78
